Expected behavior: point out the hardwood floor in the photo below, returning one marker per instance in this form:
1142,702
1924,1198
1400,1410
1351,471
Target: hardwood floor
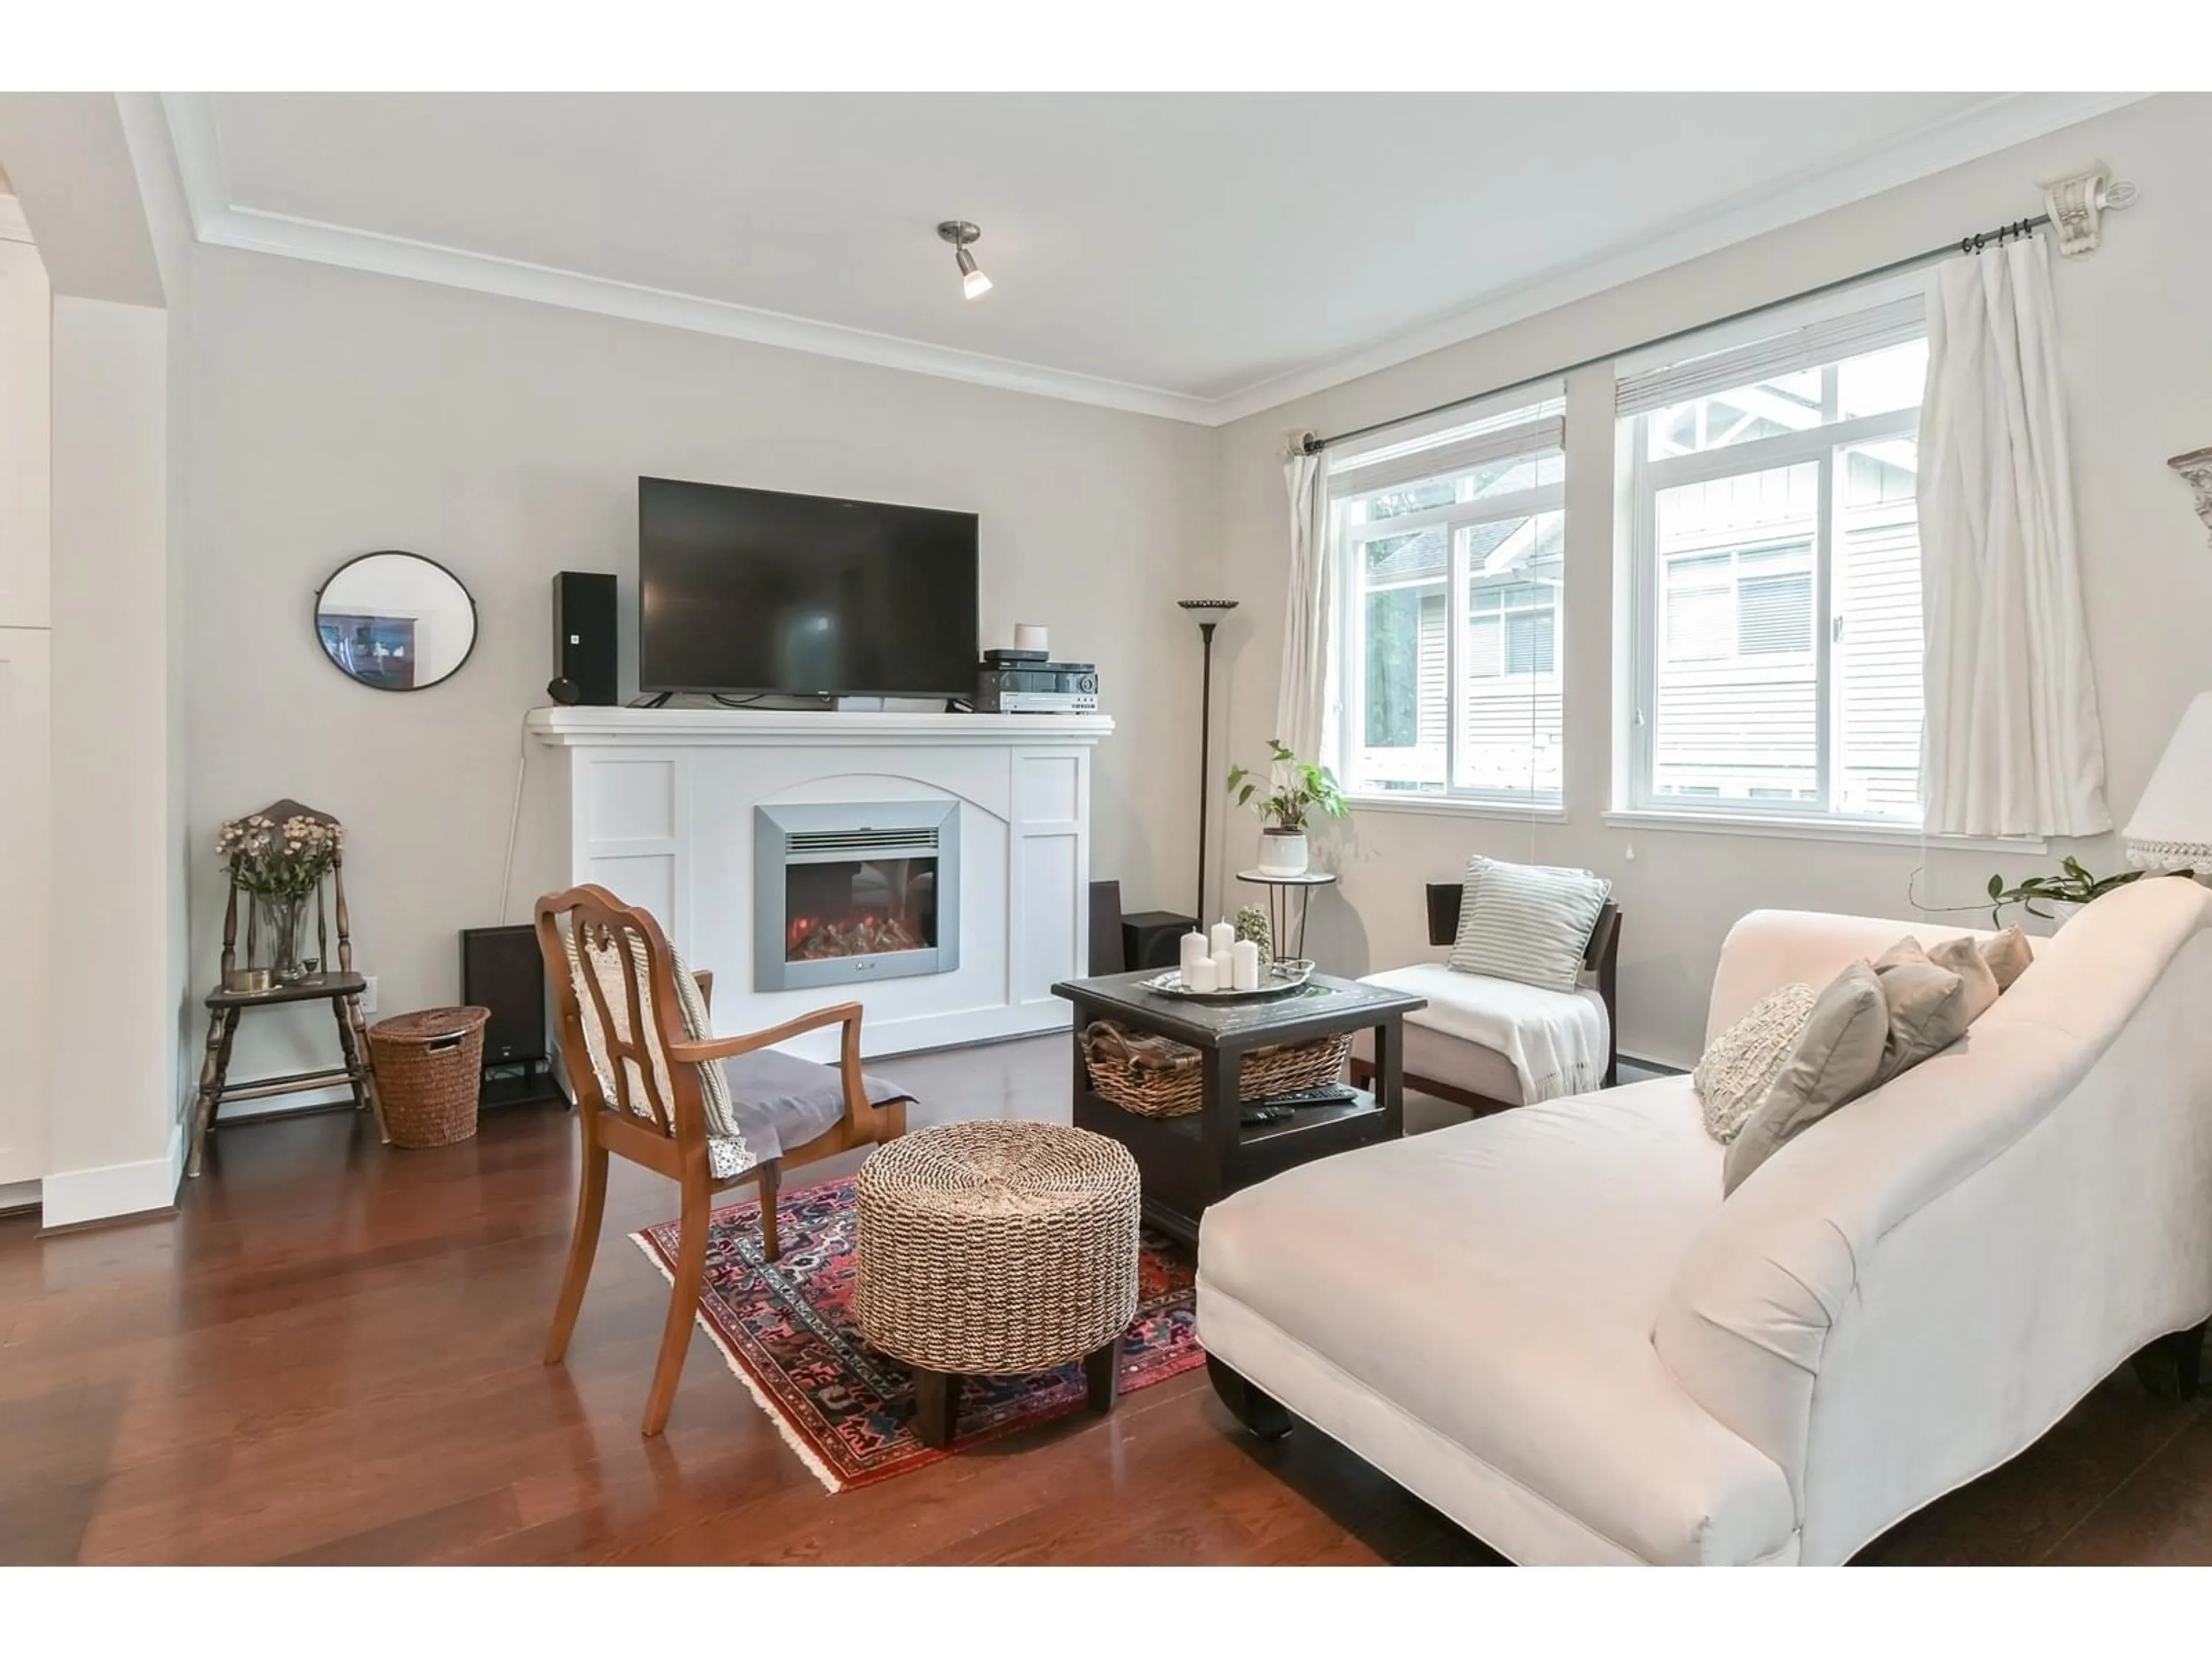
330,1355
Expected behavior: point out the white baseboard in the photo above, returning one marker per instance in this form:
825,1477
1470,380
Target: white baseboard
72,1196
244,1111
18,1195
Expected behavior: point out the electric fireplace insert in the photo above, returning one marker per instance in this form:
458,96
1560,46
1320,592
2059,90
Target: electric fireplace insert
848,892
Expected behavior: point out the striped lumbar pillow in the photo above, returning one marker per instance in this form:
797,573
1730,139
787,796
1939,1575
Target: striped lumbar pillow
1530,922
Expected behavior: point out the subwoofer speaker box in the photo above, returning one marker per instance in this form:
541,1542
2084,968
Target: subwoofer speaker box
1149,938
1106,954
583,639
502,970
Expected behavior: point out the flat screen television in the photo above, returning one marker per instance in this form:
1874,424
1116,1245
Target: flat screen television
757,591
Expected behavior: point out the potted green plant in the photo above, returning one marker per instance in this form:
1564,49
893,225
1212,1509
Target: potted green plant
1285,800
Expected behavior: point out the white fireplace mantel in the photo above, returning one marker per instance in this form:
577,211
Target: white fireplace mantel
696,728
659,808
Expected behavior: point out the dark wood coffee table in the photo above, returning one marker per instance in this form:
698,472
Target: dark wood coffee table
1188,1162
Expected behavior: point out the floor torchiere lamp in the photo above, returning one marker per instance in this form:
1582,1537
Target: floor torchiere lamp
1209,613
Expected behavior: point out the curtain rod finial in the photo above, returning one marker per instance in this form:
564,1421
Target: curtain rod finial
2077,202
2196,469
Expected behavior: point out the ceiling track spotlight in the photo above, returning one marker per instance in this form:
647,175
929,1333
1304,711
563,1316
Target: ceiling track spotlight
974,284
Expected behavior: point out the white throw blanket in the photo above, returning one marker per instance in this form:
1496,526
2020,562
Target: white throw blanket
1556,1040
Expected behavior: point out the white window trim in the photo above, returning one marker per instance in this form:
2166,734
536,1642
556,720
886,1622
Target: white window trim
1459,806
1452,518
1645,478
1810,827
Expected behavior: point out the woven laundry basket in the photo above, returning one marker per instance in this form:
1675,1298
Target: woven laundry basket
428,1068
993,1248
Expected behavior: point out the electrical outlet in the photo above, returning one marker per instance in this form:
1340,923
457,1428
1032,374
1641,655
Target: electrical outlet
368,994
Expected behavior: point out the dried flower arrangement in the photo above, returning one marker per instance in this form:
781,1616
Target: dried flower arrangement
286,858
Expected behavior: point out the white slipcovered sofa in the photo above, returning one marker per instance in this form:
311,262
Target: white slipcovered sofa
1548,1324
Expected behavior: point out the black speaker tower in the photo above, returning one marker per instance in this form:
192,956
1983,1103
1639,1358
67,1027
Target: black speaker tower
583,639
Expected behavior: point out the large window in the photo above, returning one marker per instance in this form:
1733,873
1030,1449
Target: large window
1775,559
1452,549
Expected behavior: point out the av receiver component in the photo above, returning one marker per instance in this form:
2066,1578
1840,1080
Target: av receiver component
1073,677
1036,702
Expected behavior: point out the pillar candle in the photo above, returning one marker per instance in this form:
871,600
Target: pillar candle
1224,970
1244,965
1199,975
1224,936
1195,950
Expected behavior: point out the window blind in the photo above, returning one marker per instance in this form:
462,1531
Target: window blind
1691,375
1529,429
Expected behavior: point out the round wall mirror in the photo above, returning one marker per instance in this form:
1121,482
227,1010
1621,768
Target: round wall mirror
395,621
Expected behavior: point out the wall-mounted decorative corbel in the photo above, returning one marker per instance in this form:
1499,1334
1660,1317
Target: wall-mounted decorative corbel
2195,469
2076,204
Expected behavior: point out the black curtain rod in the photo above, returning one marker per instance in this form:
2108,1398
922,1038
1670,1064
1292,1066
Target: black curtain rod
1974,244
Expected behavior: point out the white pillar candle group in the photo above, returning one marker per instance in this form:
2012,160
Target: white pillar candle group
1244,965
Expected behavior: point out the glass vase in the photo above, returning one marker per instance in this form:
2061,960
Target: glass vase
282,916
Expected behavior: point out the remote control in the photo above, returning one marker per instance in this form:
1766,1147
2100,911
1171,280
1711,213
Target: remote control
1253,1116
1330,1094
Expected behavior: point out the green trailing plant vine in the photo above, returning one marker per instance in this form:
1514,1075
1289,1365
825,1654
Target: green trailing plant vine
2075,887
2074,884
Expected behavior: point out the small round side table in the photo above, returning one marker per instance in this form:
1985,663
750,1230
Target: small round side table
1282,890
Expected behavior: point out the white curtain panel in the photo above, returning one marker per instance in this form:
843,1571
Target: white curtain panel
2013,744
1302,706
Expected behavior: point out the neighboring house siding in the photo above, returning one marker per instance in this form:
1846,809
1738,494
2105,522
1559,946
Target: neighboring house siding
1725,725
1879,660
1512,739
1434,694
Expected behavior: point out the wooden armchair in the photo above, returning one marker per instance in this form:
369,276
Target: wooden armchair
638,1077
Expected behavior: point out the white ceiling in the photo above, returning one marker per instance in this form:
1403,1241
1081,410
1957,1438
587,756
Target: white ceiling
1194,255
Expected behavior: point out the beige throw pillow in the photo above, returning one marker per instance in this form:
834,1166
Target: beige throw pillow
1927,1007
2008,956
1837,1058
1963,956
1741,1065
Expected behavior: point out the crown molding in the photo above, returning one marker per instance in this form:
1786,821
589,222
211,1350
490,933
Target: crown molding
219,223
1995,125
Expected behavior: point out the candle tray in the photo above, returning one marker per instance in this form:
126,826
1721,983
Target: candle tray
1277,978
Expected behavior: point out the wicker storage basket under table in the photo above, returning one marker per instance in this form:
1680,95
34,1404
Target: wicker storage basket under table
428,1068
993,1248
1155,1076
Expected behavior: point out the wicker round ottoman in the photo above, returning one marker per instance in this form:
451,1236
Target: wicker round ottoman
986,1250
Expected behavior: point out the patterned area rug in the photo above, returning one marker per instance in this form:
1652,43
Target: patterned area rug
785,1330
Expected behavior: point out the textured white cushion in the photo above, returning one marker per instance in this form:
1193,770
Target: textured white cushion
1530,922
1740,1064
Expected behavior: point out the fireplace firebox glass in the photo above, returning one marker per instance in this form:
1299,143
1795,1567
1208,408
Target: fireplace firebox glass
859,908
